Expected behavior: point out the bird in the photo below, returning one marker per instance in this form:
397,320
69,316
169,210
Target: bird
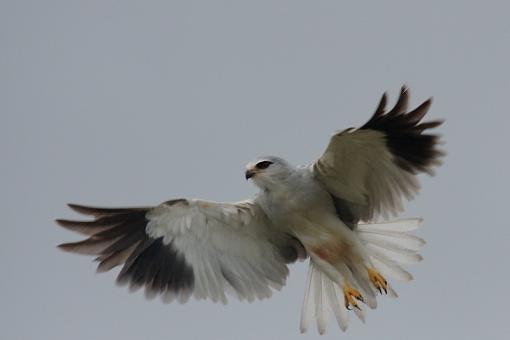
334,213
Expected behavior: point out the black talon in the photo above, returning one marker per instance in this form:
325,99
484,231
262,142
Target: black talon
385,291
360,298
357,307
379,289
348,307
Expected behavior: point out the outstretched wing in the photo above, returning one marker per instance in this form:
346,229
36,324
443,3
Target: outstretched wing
188,247
368,170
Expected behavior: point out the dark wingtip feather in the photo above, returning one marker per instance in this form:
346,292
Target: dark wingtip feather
117,237
407,136
78,227
81,209
382,105
415,116
427,104
69,224
402,101
97,211
62,223
90,246
63,247
431,124
93,227
109,226
68,247
111,260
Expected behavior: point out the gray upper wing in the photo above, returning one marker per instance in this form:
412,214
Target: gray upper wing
368,170
185,248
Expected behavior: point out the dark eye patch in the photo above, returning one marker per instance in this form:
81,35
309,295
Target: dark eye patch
263,164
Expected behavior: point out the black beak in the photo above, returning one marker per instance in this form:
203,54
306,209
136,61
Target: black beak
249,174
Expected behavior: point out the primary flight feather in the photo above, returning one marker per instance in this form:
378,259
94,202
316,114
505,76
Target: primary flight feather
324,211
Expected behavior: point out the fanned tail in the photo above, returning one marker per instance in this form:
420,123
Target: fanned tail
322,296
388,246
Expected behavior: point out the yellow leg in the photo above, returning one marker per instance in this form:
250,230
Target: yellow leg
350,296
378,280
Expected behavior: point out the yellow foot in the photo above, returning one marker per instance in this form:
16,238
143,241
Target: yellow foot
350,297
378,280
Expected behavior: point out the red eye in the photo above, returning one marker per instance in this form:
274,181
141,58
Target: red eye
263,165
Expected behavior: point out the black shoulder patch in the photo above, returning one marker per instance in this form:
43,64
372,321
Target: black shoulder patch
292,250
344,213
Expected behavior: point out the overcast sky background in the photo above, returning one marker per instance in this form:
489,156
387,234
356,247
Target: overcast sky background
136,102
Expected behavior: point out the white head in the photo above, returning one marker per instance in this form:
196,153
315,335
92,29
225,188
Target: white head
267,172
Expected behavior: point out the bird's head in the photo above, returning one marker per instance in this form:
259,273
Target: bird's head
268,171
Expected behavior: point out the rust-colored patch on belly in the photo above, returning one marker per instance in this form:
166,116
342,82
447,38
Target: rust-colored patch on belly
322,253
332,251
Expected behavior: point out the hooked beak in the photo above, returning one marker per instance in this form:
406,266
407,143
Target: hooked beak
249,174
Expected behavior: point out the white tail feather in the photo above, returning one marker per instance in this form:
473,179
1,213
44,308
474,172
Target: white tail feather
400,243
307,310
388,246
391,270
321,302
404,258
334,293
403,226
322,296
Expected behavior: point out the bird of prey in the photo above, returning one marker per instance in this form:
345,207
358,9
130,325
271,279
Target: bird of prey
328,211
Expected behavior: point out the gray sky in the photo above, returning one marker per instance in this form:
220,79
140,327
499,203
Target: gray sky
133,103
